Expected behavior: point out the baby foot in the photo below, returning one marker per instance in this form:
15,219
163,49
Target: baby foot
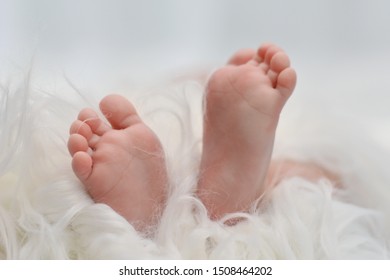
121,165
242,107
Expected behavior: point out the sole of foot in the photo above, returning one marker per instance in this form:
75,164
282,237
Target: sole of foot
121,163
242,106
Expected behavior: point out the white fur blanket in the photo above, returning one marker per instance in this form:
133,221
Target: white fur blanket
46,214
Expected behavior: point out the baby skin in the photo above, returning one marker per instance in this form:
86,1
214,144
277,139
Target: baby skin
242,107
122,163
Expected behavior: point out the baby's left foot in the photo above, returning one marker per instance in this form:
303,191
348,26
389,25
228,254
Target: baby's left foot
121,165
243,103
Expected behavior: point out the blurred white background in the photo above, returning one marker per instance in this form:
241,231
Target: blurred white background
182,32
340,48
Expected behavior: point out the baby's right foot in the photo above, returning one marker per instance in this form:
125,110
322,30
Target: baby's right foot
121,165
243,103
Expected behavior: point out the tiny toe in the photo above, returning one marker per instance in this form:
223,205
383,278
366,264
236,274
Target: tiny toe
265,51
279,62
262,50
242,57
86,114
286,81
119,111
271,52
92,119
79,127
77,143
82,165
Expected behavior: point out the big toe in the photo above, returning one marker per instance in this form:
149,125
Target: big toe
119,111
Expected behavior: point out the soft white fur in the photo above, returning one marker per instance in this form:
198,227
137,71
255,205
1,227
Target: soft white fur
46,214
